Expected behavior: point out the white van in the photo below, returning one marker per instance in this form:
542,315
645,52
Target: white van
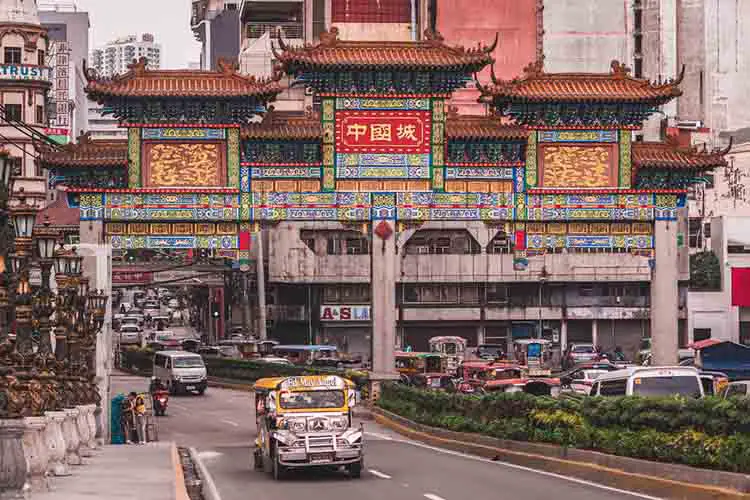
181,371
650,381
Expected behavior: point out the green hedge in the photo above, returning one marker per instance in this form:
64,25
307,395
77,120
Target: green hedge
141,360
709,433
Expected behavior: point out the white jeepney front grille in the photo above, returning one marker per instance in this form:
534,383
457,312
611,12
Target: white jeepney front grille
320,442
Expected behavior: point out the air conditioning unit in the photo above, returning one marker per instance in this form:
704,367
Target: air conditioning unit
689,124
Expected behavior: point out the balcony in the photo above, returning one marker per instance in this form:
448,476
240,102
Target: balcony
289,31
499,267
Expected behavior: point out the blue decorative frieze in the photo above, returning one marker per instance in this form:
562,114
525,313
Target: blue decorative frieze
563,214
578,136
224,242
290,172
183,134
172,214
479,173
543,241
364,103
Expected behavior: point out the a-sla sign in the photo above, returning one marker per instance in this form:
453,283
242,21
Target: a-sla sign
344,313
23,72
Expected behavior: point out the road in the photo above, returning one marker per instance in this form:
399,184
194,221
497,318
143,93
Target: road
221,426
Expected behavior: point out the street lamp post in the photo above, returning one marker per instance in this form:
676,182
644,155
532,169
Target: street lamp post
543,277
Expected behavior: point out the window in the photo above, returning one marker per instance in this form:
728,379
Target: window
613,388
318,18
16,166
684,385
737,390
695,239
497,293
371,11
39,114
710,180
40,58
707,230
701,334
13,112
442,243
501,243
37,168
308,239
13,55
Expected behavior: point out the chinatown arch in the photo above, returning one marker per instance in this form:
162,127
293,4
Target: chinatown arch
553,164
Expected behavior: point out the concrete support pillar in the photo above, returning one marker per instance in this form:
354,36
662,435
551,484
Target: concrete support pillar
595,332
383,278
480,334
563,335
664,295
261,277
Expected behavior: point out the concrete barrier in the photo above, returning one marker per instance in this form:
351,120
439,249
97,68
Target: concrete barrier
663,480
209,489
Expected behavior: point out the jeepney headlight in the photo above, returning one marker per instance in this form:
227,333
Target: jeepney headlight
297,425
340,423
352,436
285,437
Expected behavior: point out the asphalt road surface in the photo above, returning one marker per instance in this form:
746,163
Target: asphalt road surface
221,426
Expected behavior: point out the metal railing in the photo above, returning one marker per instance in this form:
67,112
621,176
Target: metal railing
288,30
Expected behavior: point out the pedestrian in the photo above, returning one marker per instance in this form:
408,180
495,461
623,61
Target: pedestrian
139,411
127,418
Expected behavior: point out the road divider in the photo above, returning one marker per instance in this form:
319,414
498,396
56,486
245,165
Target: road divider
640,478
209,489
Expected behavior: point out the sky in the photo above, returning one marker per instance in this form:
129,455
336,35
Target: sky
167,20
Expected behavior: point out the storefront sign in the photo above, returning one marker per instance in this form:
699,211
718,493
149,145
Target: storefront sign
23,72
383,132
184,133
345,313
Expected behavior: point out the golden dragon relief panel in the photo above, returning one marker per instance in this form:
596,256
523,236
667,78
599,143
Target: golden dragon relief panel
578,166
191,164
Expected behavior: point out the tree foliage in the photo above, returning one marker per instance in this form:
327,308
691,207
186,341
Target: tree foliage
705,271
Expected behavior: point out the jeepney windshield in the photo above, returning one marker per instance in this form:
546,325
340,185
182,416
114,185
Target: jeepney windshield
305,400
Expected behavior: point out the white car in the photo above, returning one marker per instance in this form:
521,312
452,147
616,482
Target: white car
130,334
583,380
271,360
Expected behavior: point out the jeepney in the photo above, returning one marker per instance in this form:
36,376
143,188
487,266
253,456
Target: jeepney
409,364
306,422
453,348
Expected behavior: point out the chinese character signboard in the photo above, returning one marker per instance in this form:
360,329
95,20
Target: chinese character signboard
383,132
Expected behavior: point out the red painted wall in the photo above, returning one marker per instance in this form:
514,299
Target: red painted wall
469,22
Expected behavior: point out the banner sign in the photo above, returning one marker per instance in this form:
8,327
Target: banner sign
344,313
24,72
159,134
125,277
383,131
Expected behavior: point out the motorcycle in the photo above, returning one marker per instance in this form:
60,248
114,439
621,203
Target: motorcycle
160,401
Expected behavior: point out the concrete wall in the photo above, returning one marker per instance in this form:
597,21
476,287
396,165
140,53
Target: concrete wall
580,35
514,20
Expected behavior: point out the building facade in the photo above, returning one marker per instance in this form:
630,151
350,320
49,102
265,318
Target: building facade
216,25
115,57
24,83
68,31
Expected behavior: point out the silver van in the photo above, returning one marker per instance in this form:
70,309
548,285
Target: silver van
181,371
650,381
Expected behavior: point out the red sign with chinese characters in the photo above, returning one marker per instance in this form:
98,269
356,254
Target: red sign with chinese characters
382,131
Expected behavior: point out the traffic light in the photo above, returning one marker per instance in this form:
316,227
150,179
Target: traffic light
214,309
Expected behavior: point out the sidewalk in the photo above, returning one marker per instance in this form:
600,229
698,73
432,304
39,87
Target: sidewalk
119,472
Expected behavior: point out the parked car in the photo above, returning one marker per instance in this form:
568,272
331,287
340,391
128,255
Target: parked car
650,381
272,360
581,377
578,353
737,389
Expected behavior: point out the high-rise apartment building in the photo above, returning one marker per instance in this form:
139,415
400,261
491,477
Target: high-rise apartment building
115,56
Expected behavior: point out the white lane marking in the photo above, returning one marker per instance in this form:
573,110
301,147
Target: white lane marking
528,469
230,422
378,474
378,435
432,496
208,455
